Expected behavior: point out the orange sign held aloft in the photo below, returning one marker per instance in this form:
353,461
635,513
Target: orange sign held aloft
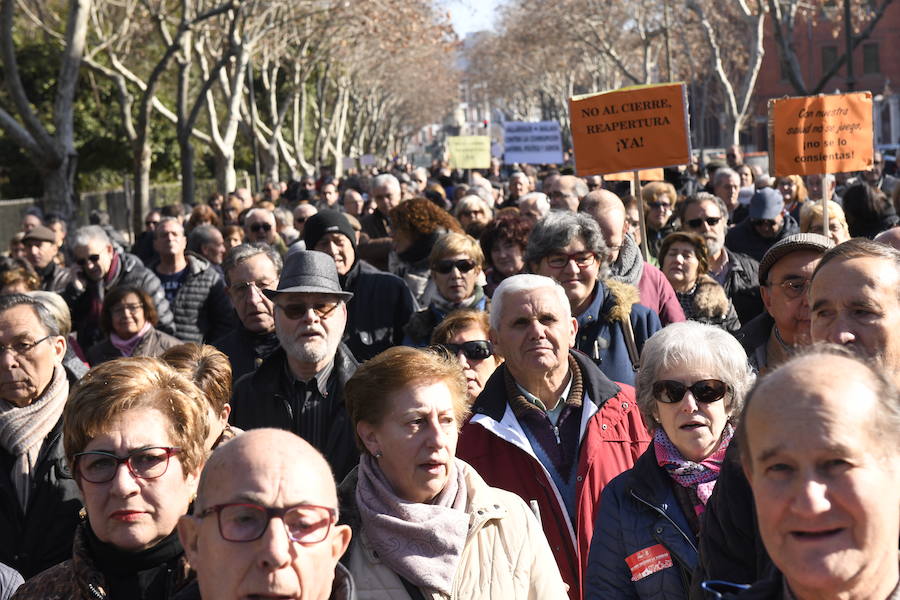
645,175
821,134
642,127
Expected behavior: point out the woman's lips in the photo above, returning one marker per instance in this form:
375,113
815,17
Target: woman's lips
128,516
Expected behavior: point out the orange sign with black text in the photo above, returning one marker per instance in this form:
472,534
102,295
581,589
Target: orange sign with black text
821,134
641,127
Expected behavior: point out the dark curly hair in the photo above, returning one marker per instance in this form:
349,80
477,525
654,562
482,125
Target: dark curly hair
420,216
512,228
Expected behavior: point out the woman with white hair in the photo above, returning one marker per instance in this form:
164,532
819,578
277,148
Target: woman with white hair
690,388
473,213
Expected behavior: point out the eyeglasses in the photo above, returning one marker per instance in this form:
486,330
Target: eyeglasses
151,223
145,463
660,205
242,522
705,390
793,288
93,258
130,308
296,220
766,222
697,223
445,266
242,290
300,310
582,259
473,350
257,227
21,348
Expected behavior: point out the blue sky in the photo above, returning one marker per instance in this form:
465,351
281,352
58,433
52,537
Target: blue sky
471,15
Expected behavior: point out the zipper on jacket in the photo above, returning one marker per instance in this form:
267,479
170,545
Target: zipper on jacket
667,517
556,433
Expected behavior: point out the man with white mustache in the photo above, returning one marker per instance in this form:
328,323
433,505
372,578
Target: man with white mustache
300,386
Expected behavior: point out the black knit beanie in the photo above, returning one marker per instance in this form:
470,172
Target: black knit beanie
324,222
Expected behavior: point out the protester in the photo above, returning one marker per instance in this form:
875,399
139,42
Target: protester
726,185
249,270
128,318
868,211
141,413
74,362
784,275
99,269
812,217
300,386
377,225
793,193
42,248
19,280
259,226
686,265
690,390
612,325
456,261
765,225
473,214
40,500
202,214
660,200
233,235
627,265
534,206
209,370
503,244
705,215
565,192
825,480
465,335
423,520
381,304
207,241
549,425
236,549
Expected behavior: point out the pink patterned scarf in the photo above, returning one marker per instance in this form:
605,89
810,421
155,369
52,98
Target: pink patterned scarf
698,476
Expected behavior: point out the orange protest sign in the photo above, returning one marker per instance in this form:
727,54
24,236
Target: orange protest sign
641,127
821,134
645,175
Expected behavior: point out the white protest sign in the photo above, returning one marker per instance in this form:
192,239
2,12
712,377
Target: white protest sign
532,143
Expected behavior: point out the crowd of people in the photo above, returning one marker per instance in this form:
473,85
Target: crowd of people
424,383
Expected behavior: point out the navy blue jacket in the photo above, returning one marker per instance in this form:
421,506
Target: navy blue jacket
600,334
639,510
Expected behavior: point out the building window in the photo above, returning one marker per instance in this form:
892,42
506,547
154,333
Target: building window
871,63
829,57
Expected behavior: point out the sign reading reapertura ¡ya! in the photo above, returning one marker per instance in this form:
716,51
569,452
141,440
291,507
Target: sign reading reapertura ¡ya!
641,127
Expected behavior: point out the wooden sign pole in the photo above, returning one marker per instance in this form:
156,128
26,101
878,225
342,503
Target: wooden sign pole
640,202
825,193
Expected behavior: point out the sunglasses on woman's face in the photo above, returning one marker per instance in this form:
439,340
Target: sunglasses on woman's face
705,390
445,266
473,350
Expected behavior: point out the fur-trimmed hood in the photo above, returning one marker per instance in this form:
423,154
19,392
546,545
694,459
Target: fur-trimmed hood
623,297
710,301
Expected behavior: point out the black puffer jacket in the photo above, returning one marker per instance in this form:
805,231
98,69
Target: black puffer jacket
132,272
744,238
41,536
203,311
742,286
268,398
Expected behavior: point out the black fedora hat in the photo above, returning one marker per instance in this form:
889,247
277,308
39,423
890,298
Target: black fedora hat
309,272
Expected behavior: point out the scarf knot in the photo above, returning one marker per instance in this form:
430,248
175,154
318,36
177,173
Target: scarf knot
697,476
127,347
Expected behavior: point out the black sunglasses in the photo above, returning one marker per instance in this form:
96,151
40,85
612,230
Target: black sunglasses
257,227
445,266
769,222
473,350
94,258
705,390
711,221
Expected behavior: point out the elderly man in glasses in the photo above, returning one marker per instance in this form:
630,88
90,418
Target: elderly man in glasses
100,267
300,386
259,226
265,524
549,425
784,276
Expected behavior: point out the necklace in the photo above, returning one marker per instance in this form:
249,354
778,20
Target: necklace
780,340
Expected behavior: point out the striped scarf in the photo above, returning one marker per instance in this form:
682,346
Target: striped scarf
697,476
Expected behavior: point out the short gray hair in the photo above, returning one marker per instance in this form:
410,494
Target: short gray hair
243,252
467,201
87,234
723,173
259,211
386,179
689,344
559,229
200,236
284,217
57,308
543,203
165,220
521,283
8,301
519,175
698,198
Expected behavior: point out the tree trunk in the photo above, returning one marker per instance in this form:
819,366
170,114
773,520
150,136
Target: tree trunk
226,177
59,187
141,201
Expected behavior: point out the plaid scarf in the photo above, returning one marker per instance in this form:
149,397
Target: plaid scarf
699,477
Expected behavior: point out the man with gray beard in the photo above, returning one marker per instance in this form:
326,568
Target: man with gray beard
704,214
300,386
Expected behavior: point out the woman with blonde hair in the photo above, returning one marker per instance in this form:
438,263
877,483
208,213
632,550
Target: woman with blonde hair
811,220
659,200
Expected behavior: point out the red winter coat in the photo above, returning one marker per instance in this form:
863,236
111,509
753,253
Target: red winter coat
613,437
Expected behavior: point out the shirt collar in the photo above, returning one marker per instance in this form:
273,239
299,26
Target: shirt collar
537,401
321,378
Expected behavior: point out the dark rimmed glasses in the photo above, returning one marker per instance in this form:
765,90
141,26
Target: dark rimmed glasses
245,522
705,390
445,266
472,350
582,259
22,348
144,463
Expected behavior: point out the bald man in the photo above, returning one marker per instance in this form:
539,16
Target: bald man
889,237
565,192
237,547
625,260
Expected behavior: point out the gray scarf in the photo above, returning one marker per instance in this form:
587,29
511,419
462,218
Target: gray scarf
420,542
629,267
22,430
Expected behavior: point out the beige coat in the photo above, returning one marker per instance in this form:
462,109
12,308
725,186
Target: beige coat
506,555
